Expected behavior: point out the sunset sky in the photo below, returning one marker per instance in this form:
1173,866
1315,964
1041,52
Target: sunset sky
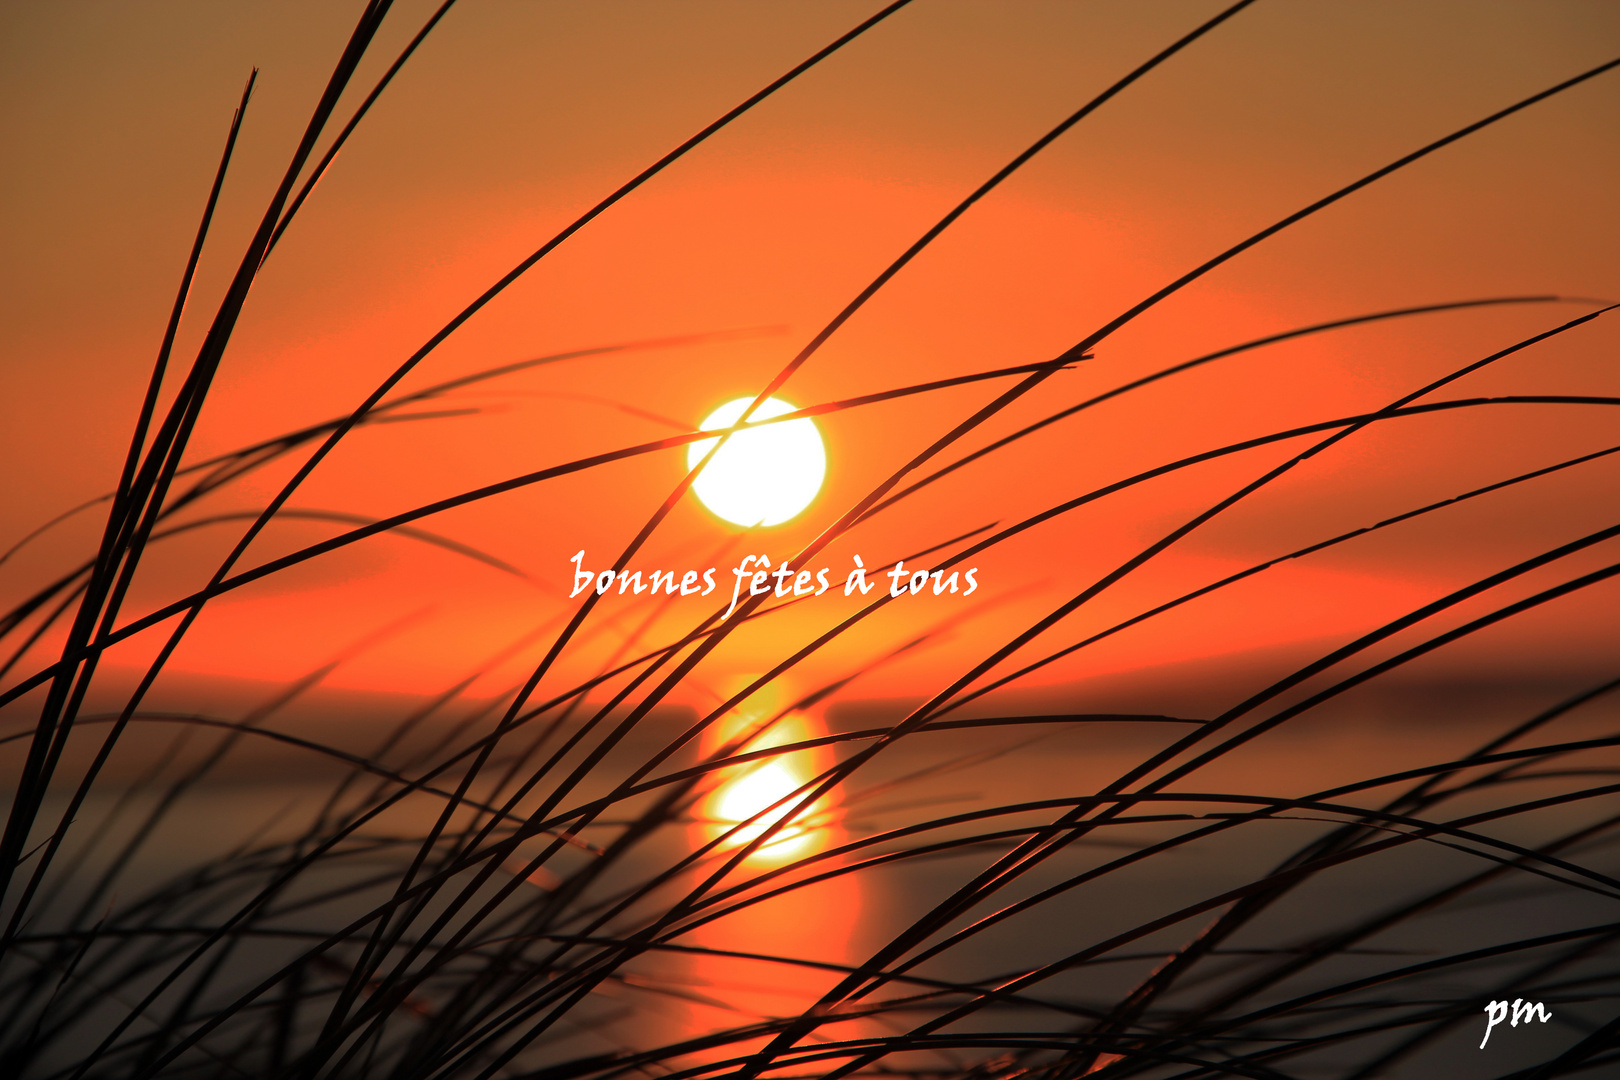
517,115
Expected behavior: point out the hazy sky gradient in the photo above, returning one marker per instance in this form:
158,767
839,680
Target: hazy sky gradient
516,116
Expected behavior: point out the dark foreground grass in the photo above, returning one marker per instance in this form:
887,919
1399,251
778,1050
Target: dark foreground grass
519,894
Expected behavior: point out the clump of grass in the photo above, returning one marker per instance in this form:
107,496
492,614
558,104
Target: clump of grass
519,892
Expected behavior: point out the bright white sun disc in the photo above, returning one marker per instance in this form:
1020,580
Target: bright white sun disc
764,476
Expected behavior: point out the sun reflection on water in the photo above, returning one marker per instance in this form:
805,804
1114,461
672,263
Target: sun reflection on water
776,947
757,787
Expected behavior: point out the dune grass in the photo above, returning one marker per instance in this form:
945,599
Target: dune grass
486,897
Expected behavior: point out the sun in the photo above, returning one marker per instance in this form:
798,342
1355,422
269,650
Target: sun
762,477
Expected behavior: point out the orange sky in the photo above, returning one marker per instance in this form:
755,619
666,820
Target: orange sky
515,117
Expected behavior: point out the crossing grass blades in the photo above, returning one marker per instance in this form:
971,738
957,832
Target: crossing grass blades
542,915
